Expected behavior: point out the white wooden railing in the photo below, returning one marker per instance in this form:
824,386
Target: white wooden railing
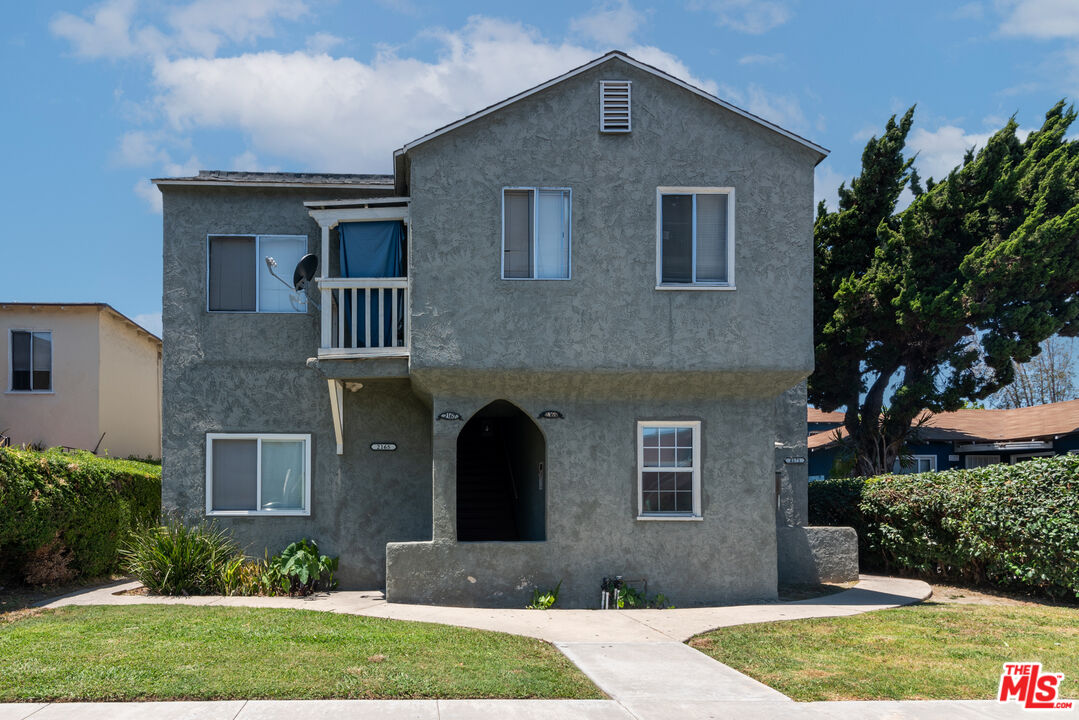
379,329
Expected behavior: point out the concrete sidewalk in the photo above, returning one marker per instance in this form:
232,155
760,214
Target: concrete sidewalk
641,709
555,626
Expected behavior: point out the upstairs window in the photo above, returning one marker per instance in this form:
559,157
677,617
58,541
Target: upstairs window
31,361
239,279
695,243
536,233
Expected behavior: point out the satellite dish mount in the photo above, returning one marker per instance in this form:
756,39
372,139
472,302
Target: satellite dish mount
301,280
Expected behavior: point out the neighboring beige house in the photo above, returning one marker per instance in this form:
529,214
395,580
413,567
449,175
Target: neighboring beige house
80,375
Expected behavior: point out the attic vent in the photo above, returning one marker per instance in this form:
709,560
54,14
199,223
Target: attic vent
614,106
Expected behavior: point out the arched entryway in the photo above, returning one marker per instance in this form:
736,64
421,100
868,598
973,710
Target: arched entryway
501,456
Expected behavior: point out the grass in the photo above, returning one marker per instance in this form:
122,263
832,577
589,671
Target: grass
922,652
209,653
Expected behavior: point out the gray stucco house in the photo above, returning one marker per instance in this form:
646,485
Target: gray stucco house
530,360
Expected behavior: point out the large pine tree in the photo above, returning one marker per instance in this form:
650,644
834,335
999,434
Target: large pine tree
937,302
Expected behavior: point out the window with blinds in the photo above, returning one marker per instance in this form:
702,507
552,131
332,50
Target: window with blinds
696,237
614,106
535,233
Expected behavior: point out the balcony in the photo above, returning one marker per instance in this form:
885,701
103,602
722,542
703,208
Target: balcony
364,318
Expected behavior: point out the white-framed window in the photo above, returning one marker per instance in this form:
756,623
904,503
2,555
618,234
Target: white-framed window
977,461
30,361
669,470
536,232
258,474
238,278
1030,456
695,238
916,464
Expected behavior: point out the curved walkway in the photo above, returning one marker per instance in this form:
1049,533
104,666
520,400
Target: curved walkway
638,657
555,626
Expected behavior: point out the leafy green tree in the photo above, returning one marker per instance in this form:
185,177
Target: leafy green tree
938,301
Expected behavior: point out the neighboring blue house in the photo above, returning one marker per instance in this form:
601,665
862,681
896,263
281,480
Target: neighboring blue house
961,439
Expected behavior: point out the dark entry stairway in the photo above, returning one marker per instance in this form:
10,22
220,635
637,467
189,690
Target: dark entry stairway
485,502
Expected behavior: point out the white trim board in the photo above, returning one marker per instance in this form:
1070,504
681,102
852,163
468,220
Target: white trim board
595,63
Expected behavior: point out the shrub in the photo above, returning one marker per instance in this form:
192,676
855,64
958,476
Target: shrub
1015,526
64,514
175,559
300,570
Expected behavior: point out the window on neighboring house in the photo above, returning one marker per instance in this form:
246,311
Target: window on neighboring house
668,469
915,464
253,474
31,361
239,279
536,233
695,243
977,461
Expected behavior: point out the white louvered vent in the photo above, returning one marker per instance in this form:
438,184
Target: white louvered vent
614,106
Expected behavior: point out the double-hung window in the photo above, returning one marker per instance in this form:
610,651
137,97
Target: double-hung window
536,233
258,474
695,237
239,278
669,470
31,361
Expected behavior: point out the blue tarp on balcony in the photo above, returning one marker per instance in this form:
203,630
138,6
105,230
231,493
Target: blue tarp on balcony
372,250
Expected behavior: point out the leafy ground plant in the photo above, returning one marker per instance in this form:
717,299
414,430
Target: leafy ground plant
177,559
545,600
301,570
170,652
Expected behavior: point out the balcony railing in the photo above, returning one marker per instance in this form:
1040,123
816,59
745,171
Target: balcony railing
364,317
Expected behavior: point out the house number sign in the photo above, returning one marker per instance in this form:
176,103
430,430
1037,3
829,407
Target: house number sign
449,415
384,446
552,415
796,460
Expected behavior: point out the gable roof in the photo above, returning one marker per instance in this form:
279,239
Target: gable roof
1027,423
814,415
99,306
822,151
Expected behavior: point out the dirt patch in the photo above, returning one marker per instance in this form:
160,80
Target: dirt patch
967,595
140,590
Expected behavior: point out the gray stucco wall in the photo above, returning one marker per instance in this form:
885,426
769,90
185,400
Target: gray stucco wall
592,530
609,317
792,504
246,372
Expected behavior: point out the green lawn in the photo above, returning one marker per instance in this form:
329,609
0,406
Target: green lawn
922,652
182,652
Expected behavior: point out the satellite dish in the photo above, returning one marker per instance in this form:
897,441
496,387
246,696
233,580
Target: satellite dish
305,271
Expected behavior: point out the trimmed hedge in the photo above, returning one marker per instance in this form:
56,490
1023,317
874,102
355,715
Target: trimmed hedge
1015,526
63,515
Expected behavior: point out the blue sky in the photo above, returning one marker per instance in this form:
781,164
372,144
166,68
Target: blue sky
99,97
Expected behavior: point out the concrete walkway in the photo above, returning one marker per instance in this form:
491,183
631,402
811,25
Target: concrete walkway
555,626
637,657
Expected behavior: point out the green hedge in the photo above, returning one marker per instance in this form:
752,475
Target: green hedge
62,515
1015,526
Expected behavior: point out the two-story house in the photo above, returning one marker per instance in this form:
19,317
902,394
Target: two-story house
79,375
553,345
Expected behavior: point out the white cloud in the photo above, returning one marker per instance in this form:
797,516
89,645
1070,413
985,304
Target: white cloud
826,182
783,110
341,114
941,150
107,32
109,29
748,16
149,193
774,59
248,161
139,148
1041,18
149,321
969,11
322,42
611,25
